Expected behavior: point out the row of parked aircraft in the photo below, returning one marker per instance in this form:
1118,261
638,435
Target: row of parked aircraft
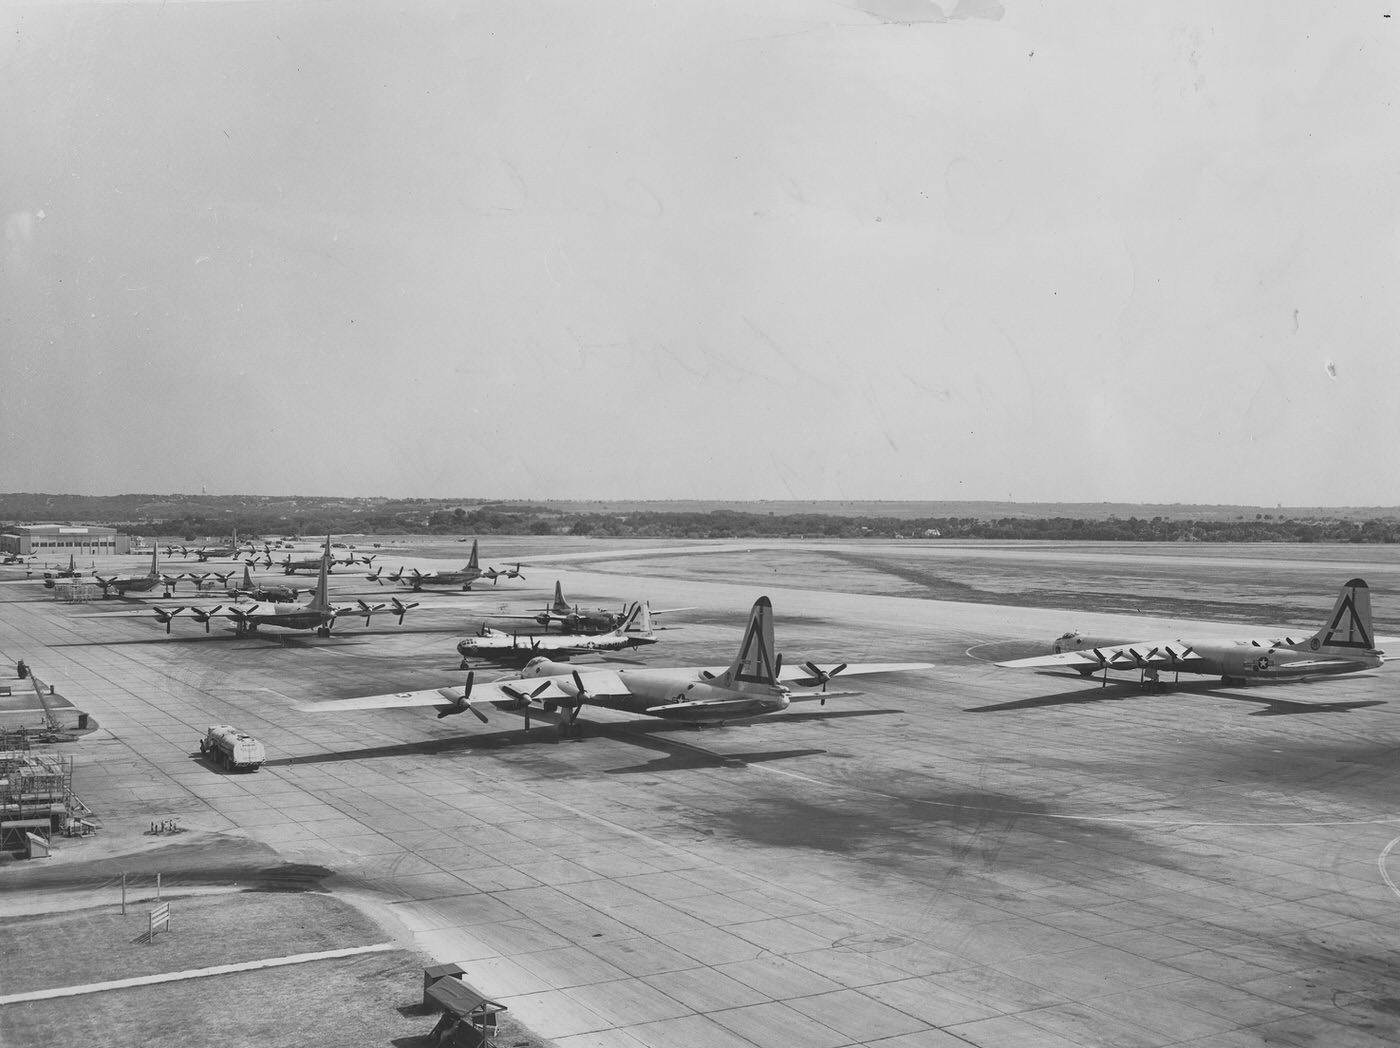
257,604
755,683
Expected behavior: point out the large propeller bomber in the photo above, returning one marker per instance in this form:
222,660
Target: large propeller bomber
415,578
247,616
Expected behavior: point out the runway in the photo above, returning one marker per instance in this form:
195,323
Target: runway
963,856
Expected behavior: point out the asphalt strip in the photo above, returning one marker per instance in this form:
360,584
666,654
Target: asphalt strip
192,973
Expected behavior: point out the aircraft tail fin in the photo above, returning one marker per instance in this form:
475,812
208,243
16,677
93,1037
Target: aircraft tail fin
320,596
757,662
640,620
560,605
1348,628
473,563
155,562
247,577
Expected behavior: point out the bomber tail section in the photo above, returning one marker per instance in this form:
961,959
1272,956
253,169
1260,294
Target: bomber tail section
639,621
320,596
560,605
757,662
473,562
1348,629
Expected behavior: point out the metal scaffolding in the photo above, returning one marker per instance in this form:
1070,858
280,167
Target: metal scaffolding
36,793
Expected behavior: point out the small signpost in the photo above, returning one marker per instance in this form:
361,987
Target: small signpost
160,920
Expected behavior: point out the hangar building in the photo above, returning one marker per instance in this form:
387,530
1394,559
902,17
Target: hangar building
83,539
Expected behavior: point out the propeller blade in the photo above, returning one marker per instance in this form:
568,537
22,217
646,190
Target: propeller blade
821,676
166,616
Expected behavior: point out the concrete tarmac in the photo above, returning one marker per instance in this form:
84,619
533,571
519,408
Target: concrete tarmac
966,855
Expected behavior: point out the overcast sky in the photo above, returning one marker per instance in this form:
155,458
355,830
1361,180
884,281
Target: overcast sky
721,249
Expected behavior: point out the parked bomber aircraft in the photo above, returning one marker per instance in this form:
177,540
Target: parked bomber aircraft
416,579
198,577
124,584
15,558
1345,644
70,572
318,613
634,631
232,552
750,686
291,567
261,591
120,584
573,618
250,590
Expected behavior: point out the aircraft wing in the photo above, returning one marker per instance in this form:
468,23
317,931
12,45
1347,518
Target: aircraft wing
820,696
1154,654
810,673
508,695
804,672
1072,660
403,699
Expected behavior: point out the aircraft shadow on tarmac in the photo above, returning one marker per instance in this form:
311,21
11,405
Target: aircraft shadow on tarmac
304,639
687,758
1118,691
680,755
261,639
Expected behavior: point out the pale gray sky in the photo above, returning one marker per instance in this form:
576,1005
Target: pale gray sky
746,249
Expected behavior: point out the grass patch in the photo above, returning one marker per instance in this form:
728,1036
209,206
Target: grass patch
353,1002
97,945
346,1003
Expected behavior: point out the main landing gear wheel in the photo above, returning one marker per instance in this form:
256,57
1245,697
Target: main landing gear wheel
323,631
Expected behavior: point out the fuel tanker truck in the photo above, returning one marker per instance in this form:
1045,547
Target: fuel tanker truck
232,749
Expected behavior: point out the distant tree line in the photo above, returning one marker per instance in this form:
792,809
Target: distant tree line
429,517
